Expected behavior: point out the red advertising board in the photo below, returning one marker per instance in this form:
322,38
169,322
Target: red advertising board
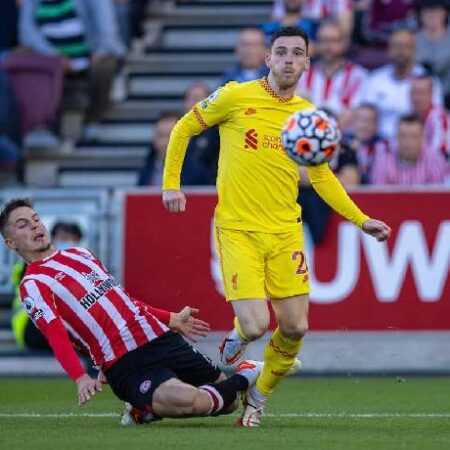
357,283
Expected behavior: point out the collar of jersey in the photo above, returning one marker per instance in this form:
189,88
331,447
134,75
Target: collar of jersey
264,82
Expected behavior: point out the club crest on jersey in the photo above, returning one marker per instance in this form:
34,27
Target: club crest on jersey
145,386
92,276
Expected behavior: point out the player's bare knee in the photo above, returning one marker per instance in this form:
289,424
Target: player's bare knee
294,331
254,328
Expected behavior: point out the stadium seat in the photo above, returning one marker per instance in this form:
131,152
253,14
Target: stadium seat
37,82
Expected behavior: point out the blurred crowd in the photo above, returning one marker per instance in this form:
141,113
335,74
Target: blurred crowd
381,67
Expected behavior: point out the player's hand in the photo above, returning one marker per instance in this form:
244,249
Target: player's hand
174,200
188,325
377,229
101,377
87,387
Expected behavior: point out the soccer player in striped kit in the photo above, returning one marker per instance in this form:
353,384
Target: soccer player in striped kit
73,299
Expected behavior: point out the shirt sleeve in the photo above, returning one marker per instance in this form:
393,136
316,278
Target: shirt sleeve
59,341
37,300
331,190
211,111
38,303
160,314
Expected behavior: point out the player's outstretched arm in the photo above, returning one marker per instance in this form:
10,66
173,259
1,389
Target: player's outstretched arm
377,229
174,200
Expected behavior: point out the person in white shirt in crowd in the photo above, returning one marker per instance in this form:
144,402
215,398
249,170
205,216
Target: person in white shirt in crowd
317,10
389,86
334,81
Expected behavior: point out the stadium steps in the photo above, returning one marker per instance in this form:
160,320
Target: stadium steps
188,41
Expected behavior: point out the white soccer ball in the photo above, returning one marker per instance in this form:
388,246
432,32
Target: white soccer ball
310,137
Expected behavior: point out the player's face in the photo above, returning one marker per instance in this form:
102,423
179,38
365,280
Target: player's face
287,60
421,95
26,233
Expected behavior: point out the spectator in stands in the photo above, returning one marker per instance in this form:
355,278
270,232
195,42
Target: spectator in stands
435,119
345,166
384,17
365,142
151,173
8,26
333,82
433,41
250,52
316,11
10,135
410,163
84,34
389,86
130,16
64,235
202,154
292,16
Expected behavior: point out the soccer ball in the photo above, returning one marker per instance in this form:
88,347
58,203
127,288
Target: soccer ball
310,137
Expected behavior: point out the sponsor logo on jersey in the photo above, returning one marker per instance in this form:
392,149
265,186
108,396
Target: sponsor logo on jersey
59,276
272,142
251,139
91,297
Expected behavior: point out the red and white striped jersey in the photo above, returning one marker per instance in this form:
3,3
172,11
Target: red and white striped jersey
99,316
436,131
340,91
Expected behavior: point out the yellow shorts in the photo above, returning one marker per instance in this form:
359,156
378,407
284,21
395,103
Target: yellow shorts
262,265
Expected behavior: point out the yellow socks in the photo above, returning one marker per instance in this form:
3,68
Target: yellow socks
238,328
279,357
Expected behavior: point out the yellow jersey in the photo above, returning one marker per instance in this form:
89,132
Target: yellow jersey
257,183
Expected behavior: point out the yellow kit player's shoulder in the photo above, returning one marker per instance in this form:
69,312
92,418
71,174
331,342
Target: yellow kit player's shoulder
303,103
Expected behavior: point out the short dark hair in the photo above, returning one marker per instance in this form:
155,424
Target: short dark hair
410,118
9,208
289,32
68,227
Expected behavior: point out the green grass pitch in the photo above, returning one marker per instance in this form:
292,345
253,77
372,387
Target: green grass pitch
304,413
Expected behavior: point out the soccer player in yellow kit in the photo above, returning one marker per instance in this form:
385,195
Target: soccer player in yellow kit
259,235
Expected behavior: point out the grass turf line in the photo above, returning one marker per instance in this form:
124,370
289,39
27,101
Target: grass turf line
327,413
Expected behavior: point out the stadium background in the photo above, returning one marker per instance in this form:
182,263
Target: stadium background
376,309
